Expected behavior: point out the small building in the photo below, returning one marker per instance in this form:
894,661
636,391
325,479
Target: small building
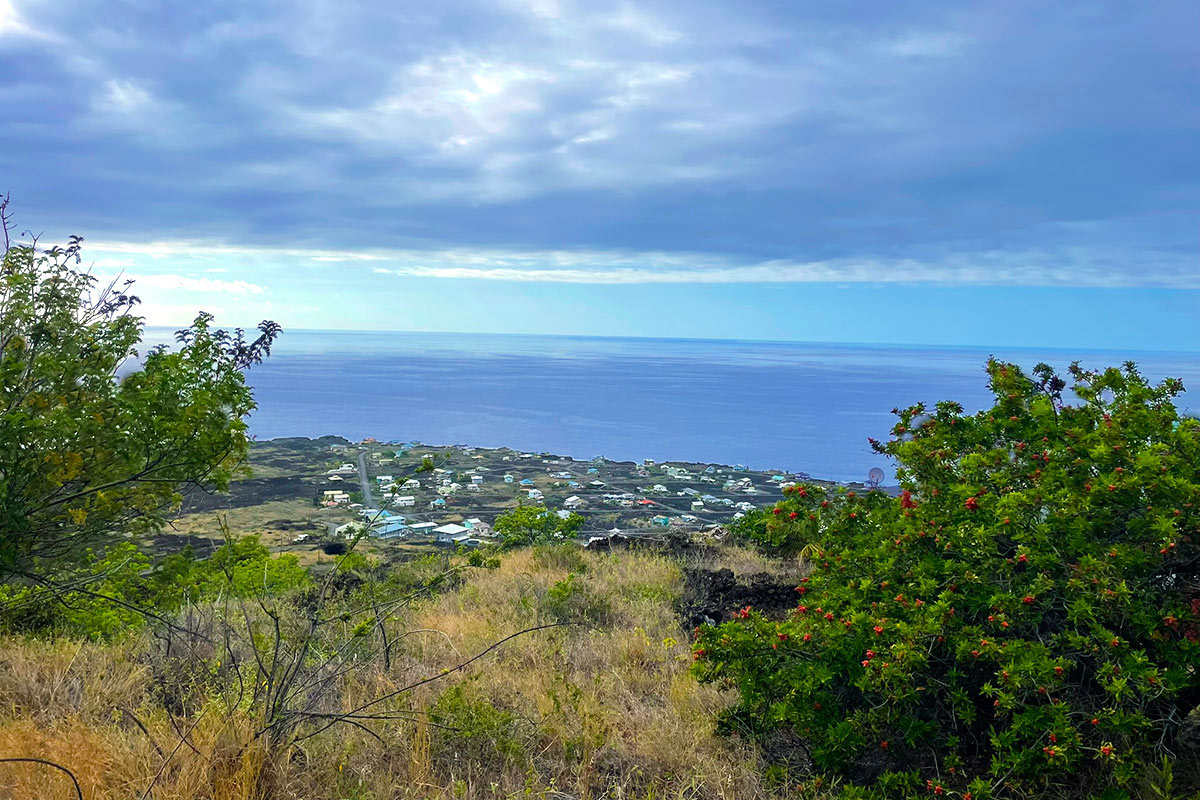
687,518
411,483
658,487
526,482
597,484
385,479
451,534
476,479
562,513
392,529
509,479
661,520
408,501
535,494
593,471
438,503
422,528
697,505
574,501
336,479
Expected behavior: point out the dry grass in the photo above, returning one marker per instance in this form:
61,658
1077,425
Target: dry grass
605,708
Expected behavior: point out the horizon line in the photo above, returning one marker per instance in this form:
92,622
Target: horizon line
845,343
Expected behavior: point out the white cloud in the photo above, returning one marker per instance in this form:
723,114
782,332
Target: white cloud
123,97
197,285
1065,266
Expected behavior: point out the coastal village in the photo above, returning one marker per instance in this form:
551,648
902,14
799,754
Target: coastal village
310,494
381,488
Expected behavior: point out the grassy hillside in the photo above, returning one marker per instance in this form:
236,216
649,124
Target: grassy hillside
602,707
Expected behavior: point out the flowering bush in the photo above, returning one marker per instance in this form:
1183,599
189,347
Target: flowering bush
1023,620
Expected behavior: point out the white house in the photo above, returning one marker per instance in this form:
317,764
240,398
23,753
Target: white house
535,494
411,483
451,534
476,479
422,528
574,501
406,501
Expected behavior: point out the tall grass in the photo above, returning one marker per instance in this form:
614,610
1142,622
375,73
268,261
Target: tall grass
602,706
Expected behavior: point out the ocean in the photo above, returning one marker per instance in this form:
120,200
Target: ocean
793,406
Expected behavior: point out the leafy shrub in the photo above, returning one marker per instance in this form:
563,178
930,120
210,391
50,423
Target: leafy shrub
1022,621
114,592
570,600
472,730
526,525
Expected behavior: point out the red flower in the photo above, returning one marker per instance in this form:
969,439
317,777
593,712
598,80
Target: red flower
878,630
802,609
1058,670
1024,559
1106,749
807,637
972,504
744,613
883,744
1115,642
1027,599
906,500
829,615
777,511
793,515
783,637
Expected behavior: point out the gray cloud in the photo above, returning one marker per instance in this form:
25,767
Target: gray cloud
1028,142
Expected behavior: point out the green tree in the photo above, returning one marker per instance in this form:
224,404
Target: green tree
526,525
92,450
1023,620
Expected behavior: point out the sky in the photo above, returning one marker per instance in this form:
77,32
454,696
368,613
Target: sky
999,172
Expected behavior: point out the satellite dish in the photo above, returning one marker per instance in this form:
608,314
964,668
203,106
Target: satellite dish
875,477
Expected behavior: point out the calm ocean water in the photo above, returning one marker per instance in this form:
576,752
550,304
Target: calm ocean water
794,406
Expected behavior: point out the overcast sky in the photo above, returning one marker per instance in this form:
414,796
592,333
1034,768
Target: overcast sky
1008,172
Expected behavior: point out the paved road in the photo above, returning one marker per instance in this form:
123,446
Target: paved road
365,484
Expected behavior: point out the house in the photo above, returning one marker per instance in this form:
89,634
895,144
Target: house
562,513
687,518
597,485
710,469
697,505
658,487
472,487
411,483
574,501
477,526
509,478
439,503
661,520
476,479
422,528
645,502
408,501
349,529
385,479
535,494
708,498
369,513
744,506
648,462
451,534
593,471
336,479
392,529
573,484
688,491
526,482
